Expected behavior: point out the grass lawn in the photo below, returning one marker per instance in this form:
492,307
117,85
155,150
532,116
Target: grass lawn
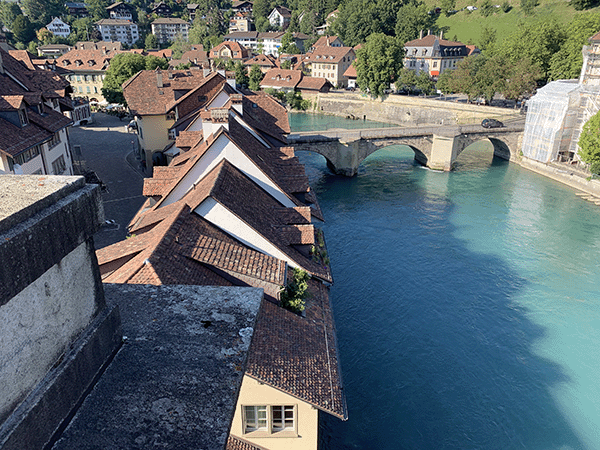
466,26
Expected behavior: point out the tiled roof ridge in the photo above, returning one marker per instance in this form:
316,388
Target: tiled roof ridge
239,259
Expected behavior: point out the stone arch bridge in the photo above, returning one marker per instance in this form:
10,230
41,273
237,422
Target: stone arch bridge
436,147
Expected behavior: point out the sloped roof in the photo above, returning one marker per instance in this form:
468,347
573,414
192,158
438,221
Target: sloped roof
281,78
86,60
233,46
326,41
429,40
145,97
313,83
263,61
310,342
350,72
328,55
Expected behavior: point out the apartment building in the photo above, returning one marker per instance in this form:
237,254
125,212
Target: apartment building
121,30
166,29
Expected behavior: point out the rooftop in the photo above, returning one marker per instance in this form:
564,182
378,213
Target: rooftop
174,382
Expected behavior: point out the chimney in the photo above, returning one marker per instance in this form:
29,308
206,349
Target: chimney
237,102
104,49
159,80
441,35
421,34
428,32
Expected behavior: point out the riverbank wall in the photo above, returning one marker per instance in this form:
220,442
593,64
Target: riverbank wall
405,110
565,175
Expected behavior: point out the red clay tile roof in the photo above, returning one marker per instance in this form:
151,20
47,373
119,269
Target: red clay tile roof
314,84
87,60
350,72
263,61
236,443
281,78
48,83
326,41
145,97
328,55
268,116
237,50
11,102
298,355
188,139
25,57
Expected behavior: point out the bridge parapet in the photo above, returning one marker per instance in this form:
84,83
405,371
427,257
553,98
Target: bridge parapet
435,147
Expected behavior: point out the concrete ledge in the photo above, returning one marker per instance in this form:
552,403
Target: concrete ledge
45,412
43,232
565,176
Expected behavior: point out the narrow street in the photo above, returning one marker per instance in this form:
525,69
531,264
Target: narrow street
108,150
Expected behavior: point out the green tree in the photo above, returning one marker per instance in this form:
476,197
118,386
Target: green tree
23,30
567,62
580,5
424,83
447,6
152,62
487,8
589,143
42,11
122,67
97,9
536,41
255,77
528,6
378,63
444,82
464,77
521,79
412,18
241,74
292,296
151,42
487,38
9,12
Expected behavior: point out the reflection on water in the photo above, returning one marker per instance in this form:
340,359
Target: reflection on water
466,305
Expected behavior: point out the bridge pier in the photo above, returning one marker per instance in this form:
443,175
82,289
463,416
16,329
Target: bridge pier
444,150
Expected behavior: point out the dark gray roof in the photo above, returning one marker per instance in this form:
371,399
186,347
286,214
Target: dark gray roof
175,381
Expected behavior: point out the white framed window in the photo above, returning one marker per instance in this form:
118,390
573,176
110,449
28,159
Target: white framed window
270,420
59,166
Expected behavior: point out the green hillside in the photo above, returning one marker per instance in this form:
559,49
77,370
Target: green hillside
467,26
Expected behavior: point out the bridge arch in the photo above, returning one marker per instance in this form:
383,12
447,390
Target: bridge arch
502,147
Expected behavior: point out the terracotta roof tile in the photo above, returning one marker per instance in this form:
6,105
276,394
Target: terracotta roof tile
236,443
329,55
310,342
314,84
281,78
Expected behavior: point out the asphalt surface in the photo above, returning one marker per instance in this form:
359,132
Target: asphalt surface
108,150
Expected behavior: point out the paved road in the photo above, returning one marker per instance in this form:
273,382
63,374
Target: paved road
347,135
107,149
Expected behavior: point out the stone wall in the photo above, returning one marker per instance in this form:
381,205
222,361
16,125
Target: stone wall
406,110
55,329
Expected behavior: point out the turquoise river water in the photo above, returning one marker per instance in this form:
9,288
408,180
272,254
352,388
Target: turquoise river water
466,303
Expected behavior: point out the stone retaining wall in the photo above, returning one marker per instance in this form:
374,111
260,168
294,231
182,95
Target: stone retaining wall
405,110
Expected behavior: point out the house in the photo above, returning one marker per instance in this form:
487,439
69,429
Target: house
167,29
330,62
191,10
234,209
322,29
196,57
265,62
327,41
108,46
229,50
120,11
280,17
158,98
242,6
34,138
120,30
281,79
81,114
350,73
271,41
162,9
247,39
53,50
433,54
76,9
241,21
86,70
293,80
58,28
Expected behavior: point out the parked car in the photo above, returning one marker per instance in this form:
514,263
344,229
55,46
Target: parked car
491,123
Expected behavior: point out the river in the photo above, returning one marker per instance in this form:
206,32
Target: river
466,303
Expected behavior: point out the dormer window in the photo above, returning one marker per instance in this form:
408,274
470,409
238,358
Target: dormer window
23,117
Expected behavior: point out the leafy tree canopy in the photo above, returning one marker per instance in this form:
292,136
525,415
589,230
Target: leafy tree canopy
151,42
536,41
9,12
589,143
42,11
23,30
241,74
255,77
122,67
567,62
378,62
411,19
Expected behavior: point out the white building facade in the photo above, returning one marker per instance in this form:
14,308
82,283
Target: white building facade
113,30
58,28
